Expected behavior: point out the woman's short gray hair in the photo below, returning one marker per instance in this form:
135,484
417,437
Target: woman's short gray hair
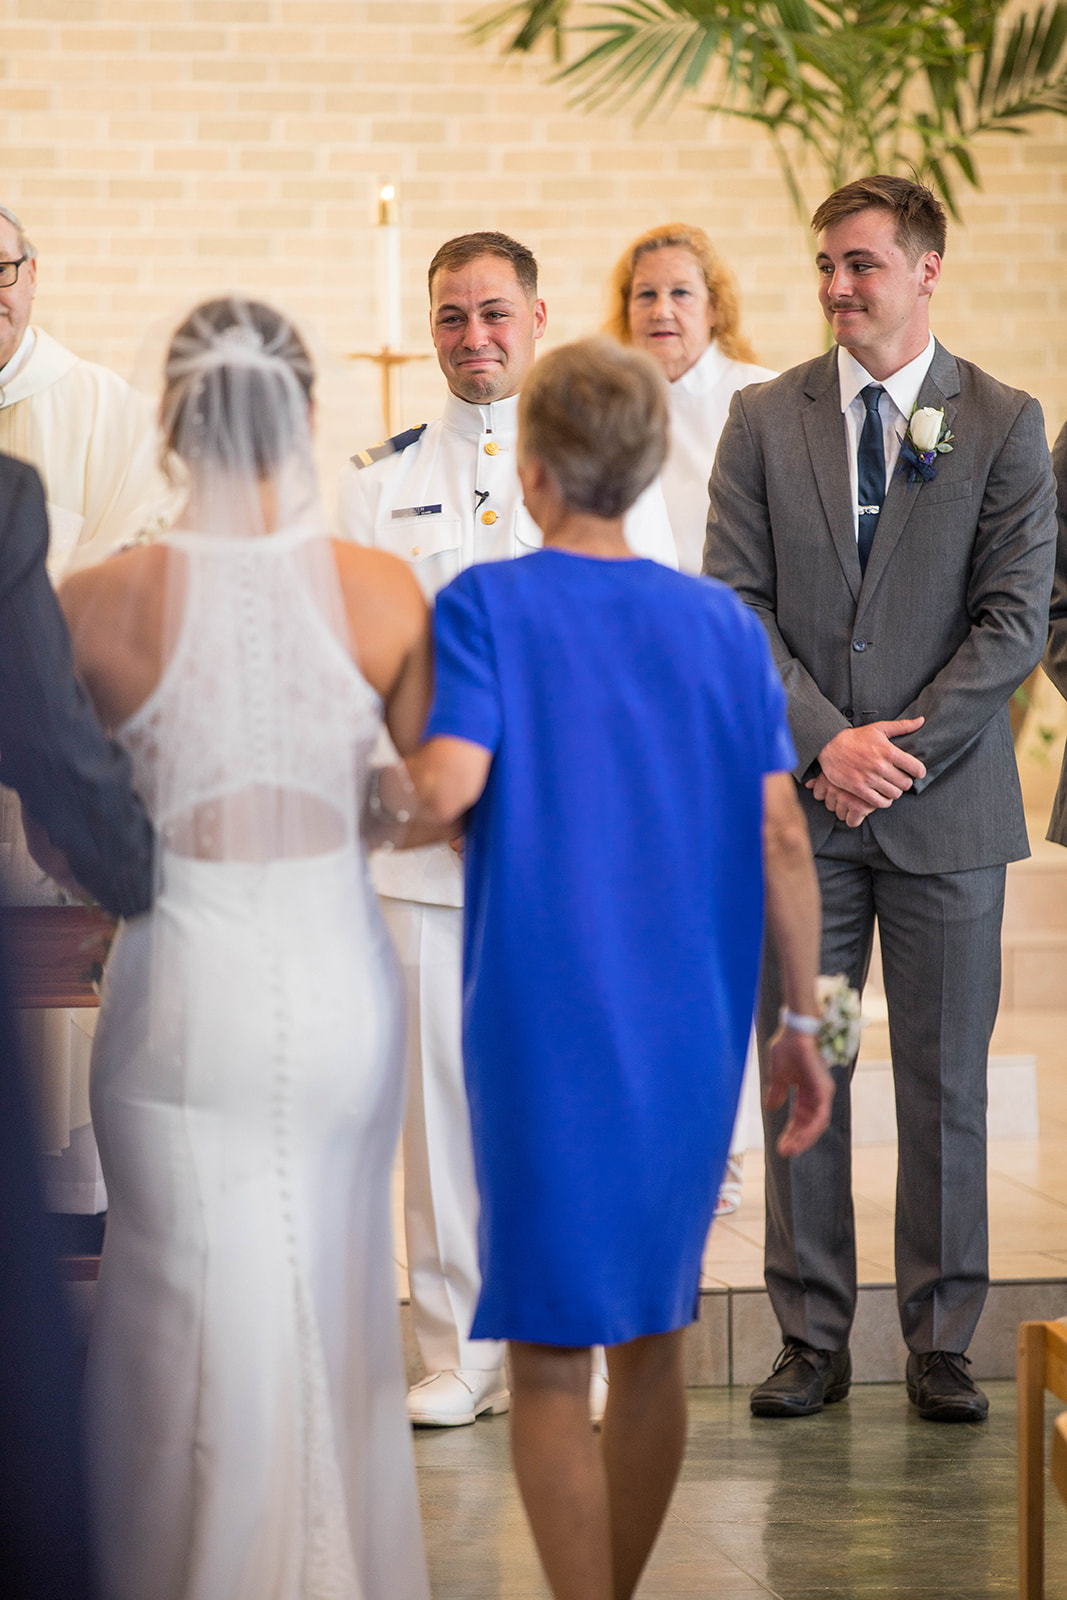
595,414
25,247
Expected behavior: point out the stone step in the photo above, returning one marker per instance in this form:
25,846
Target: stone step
1035,895
1012,1112
736,1338
1034,971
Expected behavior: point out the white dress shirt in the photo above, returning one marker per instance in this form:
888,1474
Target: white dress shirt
449,500
700,403
902,389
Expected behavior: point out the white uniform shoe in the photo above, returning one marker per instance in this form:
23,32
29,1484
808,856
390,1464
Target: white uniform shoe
452,1399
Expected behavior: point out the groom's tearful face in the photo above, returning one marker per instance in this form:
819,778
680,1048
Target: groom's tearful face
484,327
872,295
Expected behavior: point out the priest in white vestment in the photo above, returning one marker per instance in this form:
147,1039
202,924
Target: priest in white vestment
93,441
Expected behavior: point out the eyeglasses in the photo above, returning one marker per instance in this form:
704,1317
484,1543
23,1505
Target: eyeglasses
9,271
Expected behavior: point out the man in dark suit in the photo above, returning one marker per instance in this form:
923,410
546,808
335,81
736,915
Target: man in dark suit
1055,662
78,787
887,509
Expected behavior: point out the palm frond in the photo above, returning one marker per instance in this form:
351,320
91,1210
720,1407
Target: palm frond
1024,72
897,84
538,18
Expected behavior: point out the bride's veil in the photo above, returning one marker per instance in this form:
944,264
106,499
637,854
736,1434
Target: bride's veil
250,724
236,419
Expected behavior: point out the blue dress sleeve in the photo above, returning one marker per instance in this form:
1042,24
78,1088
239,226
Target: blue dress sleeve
467,702
779,753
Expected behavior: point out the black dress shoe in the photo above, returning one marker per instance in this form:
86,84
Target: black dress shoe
939,1384
802,1381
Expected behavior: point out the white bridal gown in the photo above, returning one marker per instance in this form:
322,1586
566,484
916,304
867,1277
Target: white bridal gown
247,1423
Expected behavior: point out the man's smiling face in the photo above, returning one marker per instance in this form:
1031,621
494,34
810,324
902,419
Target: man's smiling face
484,327
875,299
16,302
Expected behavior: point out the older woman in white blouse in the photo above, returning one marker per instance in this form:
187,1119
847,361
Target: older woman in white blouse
672,296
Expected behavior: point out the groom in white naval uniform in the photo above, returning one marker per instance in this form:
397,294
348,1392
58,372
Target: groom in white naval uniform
444,496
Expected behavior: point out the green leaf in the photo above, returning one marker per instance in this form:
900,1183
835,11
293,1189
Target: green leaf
541,16
869,83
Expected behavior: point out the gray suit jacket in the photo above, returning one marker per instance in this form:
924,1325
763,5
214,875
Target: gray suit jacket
1055,662
948,619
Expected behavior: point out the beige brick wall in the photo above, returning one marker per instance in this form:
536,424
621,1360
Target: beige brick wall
162,150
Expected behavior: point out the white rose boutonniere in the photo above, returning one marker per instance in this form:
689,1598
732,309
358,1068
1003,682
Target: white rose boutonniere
925,429
926,439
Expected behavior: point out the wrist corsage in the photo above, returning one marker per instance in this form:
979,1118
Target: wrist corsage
838,1038
926,439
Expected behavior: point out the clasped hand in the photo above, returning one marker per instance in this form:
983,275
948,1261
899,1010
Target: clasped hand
864,771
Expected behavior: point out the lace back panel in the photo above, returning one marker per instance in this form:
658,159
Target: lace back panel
254,745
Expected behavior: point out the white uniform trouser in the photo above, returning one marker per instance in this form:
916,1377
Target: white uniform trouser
440,1195
748,1126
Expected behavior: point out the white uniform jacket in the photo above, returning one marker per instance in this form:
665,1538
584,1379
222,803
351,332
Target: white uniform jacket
447,500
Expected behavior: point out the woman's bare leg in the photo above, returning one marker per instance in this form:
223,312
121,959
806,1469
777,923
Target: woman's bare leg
643,1441
560,1469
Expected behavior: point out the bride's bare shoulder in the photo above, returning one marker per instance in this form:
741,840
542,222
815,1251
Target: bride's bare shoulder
115,582
373,578
114,612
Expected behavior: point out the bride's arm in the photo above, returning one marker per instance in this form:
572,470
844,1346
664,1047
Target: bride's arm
392,637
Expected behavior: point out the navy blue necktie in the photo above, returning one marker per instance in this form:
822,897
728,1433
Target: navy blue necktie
870,474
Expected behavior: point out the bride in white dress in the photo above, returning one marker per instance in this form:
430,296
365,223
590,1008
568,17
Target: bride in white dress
247,1427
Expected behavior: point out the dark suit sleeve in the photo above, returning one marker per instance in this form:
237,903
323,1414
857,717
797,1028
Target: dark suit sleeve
52,750
1055,662
739,550
1007,601
44,1535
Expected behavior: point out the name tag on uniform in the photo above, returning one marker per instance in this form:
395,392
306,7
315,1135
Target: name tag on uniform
416,511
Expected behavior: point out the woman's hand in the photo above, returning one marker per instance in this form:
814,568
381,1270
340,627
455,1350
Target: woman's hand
797,1067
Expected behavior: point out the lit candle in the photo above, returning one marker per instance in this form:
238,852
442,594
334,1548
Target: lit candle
389,305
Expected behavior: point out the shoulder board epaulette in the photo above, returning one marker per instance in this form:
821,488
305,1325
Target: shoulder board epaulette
389,447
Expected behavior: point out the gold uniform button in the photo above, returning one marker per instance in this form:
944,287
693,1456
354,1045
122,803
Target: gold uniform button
492,448
416,549
489,517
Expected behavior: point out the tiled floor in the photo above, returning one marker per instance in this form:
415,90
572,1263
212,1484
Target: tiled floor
863,1501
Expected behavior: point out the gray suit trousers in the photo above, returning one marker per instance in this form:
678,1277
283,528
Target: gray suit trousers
940,939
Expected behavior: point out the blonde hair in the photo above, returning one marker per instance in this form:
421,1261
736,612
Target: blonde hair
596,417
722,286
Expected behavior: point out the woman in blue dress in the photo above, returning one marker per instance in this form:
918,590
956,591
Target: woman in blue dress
619,730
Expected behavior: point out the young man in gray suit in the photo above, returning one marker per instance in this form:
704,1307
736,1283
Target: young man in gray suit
888,510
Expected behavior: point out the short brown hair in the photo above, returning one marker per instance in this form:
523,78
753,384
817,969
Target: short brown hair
596,417
919,216
722,286
468,247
